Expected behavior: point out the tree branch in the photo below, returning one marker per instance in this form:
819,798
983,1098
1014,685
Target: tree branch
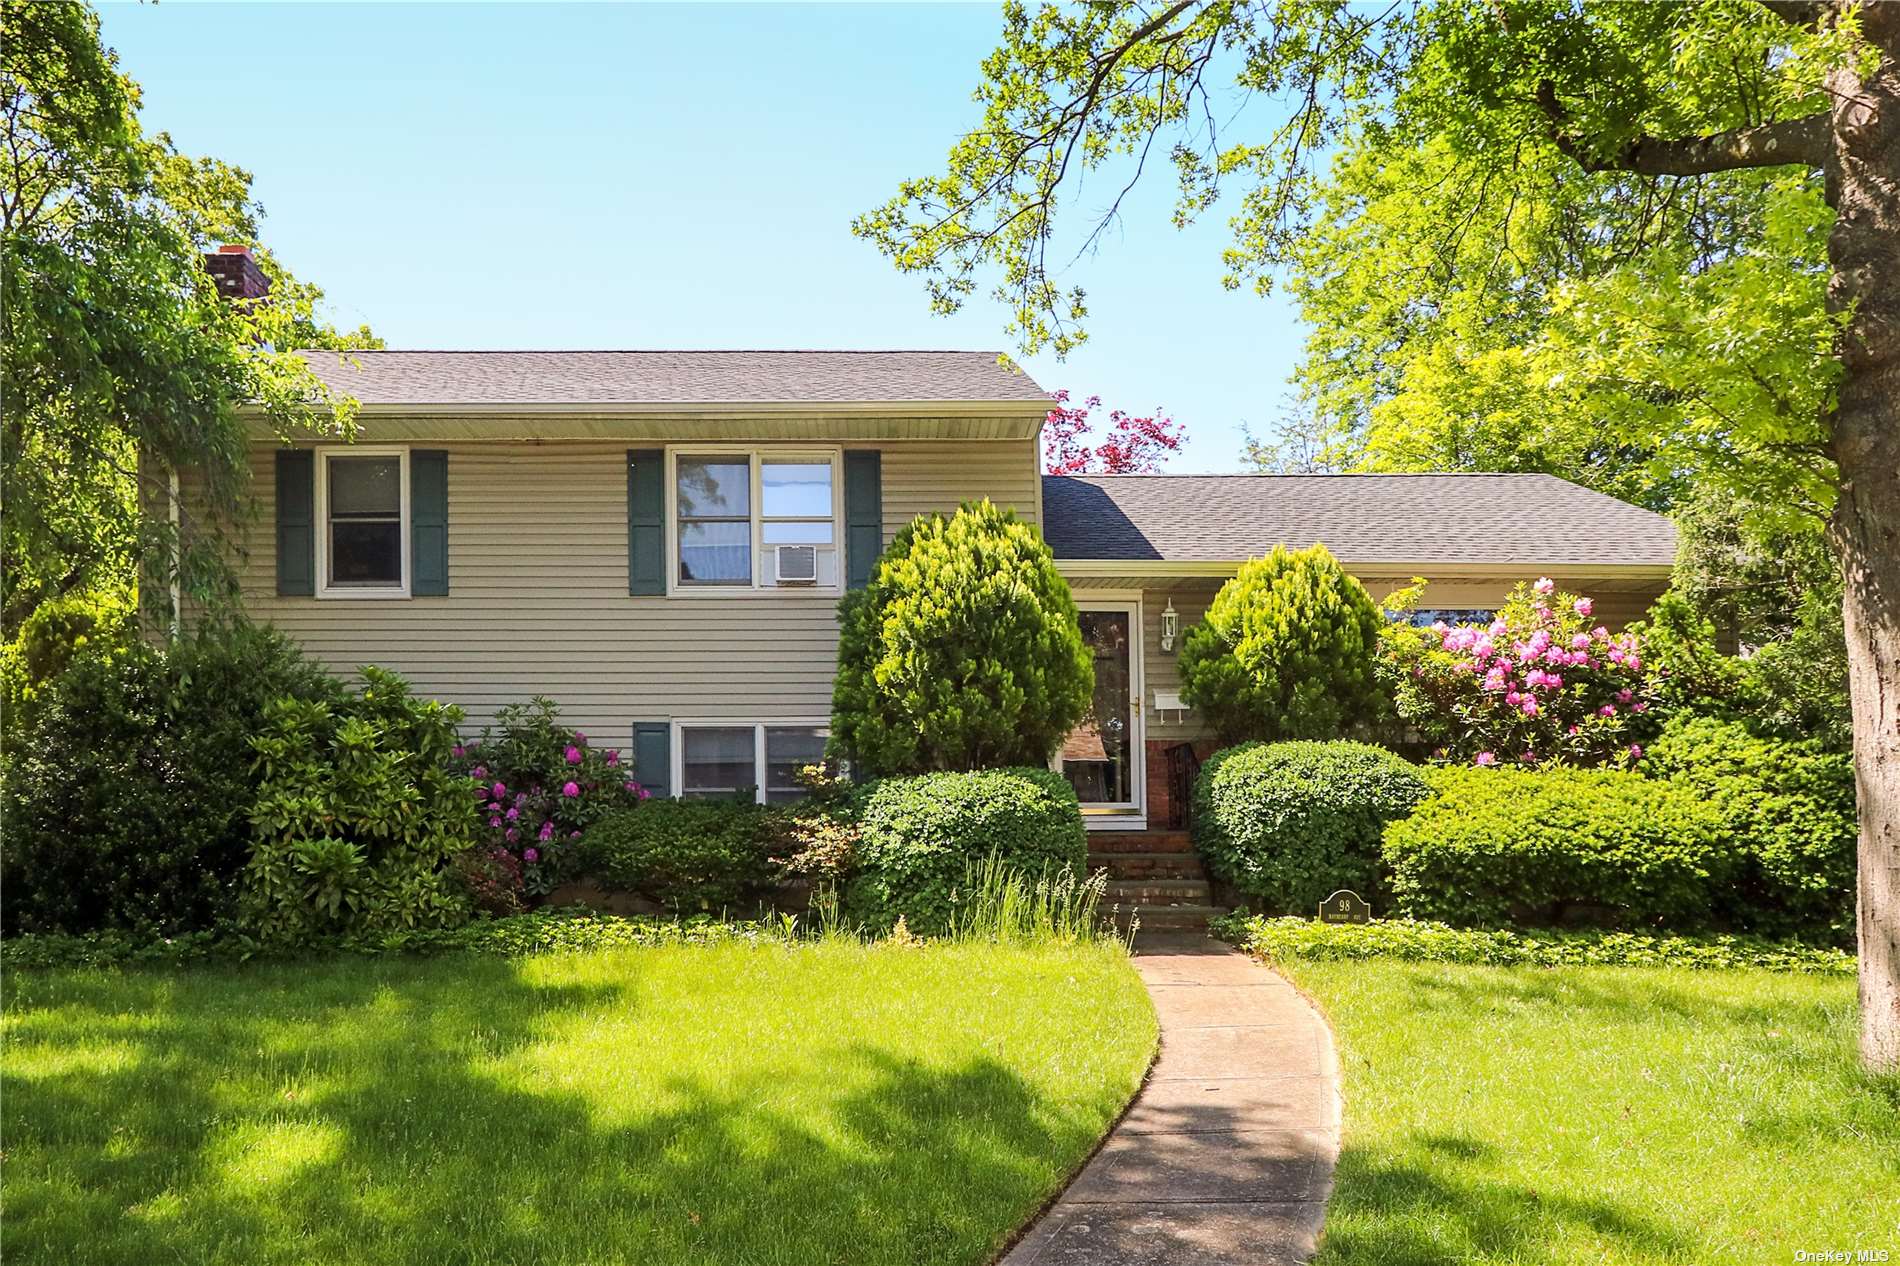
1799,12
1792,142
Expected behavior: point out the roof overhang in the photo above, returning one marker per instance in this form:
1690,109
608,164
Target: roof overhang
846,420
1381,569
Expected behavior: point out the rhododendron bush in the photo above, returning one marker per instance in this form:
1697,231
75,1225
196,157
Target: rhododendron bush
1543,683
537,785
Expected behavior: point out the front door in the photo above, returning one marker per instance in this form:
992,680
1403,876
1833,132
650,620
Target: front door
1102,756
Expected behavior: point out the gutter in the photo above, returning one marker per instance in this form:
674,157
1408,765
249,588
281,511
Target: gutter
1381,568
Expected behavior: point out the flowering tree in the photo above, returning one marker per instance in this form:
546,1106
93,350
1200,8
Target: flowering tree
1133,446
1539,685
537,786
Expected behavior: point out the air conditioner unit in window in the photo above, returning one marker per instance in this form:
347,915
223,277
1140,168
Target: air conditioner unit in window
797,564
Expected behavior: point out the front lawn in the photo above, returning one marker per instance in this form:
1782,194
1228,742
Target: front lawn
1602,1114
828,1103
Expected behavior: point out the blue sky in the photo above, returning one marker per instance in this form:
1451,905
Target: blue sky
544,176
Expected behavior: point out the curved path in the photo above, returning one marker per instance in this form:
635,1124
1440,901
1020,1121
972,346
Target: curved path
1226,1155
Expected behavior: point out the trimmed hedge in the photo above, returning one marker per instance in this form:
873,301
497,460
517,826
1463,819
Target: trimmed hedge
1496,846
919,837
706,855
1295,938
1290,823
1788,812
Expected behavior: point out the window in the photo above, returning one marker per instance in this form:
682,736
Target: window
734,511
760,761
365,505
1425,617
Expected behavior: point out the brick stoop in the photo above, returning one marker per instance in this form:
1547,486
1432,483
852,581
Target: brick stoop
1157,877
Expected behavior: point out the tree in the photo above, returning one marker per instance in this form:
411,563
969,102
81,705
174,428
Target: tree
1133,446
120,362
964,652
1285,651
1542,94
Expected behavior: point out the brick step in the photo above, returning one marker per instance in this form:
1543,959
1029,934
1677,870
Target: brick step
1171,918
1140,842
1158,892
1148,865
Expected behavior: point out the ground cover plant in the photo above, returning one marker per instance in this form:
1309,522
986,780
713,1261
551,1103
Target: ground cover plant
728,1103
1598,1114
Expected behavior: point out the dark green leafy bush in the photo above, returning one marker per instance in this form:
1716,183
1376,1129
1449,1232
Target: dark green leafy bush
691,855
1787,810
1496,846
919,839
1286,652
357,819
1289,823
128,788
57,631
1410,940
964,652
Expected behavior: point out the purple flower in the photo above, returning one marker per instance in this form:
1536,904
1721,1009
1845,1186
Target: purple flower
547,830
573,835
1528,707
573,754
1624,696
1636,751
580,738
1639,706
458,751
513,835
500,790
480,771
512,814
1545,585
1485,758
1607,710
632,787
530,854
494,822
1584,607
613,756
571,790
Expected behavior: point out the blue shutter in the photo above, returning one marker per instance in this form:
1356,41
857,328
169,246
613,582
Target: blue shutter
296,523
646,521
863,515
653,756
429,523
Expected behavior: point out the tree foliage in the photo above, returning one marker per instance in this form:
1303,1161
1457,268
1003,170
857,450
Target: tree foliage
1285,651
964,651
118,360
1132,446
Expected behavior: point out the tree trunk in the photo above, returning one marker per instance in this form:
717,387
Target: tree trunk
1863,182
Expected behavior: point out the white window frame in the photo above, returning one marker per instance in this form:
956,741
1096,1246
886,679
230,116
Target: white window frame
756,456
322,517
678,743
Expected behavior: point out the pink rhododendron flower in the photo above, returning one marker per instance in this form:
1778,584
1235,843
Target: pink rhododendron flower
1624,695
1528,707
571,790
1512,698
499,790
547,830
613,756
512,835
512,814
573,754
1639,706
645,794
1528,757
1485,758
580,738
530,854
1636,751
1607,710
480,771
1580,641
631,786
1545,585
1584,607
495,822
573,835
1499,628
458,751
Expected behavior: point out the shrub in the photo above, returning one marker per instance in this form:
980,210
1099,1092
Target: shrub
93,624
918,838
1415,941
1788,812
1290,823
1496,846
1285,652
542,785
964,652
128,790
358,817
685,854
1540,685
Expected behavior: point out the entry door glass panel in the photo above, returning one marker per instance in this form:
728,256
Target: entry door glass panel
1098,755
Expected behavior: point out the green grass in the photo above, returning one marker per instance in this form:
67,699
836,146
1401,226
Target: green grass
1602,1114
820,1103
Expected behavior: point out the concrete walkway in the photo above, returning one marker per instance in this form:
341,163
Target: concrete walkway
1226,1155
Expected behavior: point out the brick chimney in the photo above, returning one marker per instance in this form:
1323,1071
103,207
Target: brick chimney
237,274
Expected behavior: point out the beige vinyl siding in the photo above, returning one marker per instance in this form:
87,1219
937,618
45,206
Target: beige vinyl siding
538,601
1617,603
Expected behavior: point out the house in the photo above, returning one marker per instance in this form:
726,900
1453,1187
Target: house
658,540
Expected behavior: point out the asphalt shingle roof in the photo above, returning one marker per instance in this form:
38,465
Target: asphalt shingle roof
1480,519
671,377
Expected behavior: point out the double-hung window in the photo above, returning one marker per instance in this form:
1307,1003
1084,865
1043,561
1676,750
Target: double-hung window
364,538
755,520
758,761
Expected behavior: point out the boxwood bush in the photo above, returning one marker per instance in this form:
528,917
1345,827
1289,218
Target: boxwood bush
1788,811
1289,823
919,837
1495,846
688,855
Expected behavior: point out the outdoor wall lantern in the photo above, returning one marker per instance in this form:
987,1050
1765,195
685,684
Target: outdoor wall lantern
1170,626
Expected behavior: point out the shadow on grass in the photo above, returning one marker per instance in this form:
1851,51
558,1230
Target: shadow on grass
1397,1210
380,1115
